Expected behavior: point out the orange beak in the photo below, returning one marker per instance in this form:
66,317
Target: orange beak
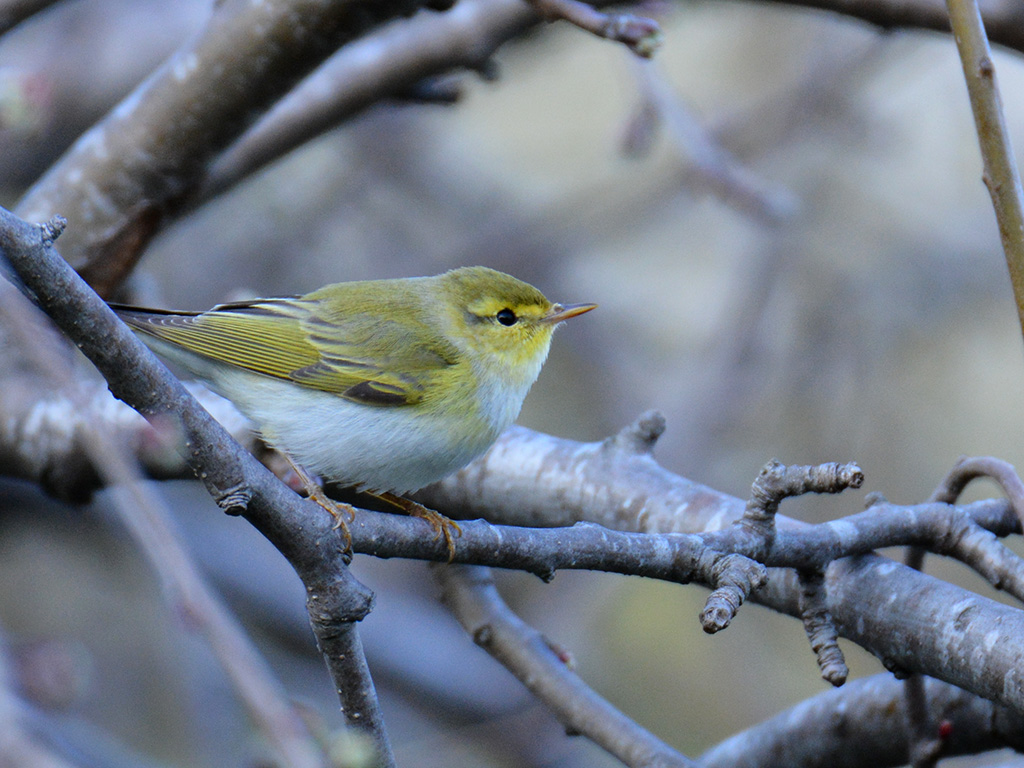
560,312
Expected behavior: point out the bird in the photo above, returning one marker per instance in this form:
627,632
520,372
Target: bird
382,385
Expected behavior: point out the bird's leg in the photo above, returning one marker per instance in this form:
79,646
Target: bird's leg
314,492
443,526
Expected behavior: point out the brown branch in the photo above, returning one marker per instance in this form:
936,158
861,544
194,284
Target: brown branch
523,651
1000,167
121,178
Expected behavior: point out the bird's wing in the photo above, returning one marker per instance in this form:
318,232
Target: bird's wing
355,355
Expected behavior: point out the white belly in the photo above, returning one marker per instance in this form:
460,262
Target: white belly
396,449
376,448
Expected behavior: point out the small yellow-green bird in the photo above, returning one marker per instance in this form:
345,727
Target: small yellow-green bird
384,385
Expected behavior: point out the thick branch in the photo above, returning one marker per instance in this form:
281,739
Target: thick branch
863,723
1000,167
119,179
473,598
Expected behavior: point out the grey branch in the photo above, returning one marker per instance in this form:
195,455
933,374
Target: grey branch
119,179
473,598
864,723
239,483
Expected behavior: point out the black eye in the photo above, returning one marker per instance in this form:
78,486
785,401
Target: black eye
506,317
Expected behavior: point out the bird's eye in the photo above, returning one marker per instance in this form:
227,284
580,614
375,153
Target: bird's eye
506,317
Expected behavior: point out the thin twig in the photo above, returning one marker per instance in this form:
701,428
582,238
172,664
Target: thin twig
473,598
1000,167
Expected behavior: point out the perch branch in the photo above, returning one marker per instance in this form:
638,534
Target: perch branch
641,35
239,484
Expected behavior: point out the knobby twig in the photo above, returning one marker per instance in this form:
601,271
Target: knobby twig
641,35
239,484
529,478
473,598
927,746
1000,167
820,627
775,483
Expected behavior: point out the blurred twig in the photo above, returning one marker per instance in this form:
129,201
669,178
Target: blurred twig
641,35
1000,167
1004,19
473,598
18,748
862,724
13,12
121,177
148,519
708,164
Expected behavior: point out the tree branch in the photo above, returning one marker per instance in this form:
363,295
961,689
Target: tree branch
239,484
121,177
1004,19
473,598
864,723
1000,167
13,12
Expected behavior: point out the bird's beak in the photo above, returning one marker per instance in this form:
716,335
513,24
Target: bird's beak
560,312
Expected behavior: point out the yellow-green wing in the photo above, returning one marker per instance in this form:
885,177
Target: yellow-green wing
352,354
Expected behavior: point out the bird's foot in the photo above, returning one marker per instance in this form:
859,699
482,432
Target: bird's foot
337,509
442,525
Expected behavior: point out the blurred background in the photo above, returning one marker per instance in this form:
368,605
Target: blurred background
865,316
